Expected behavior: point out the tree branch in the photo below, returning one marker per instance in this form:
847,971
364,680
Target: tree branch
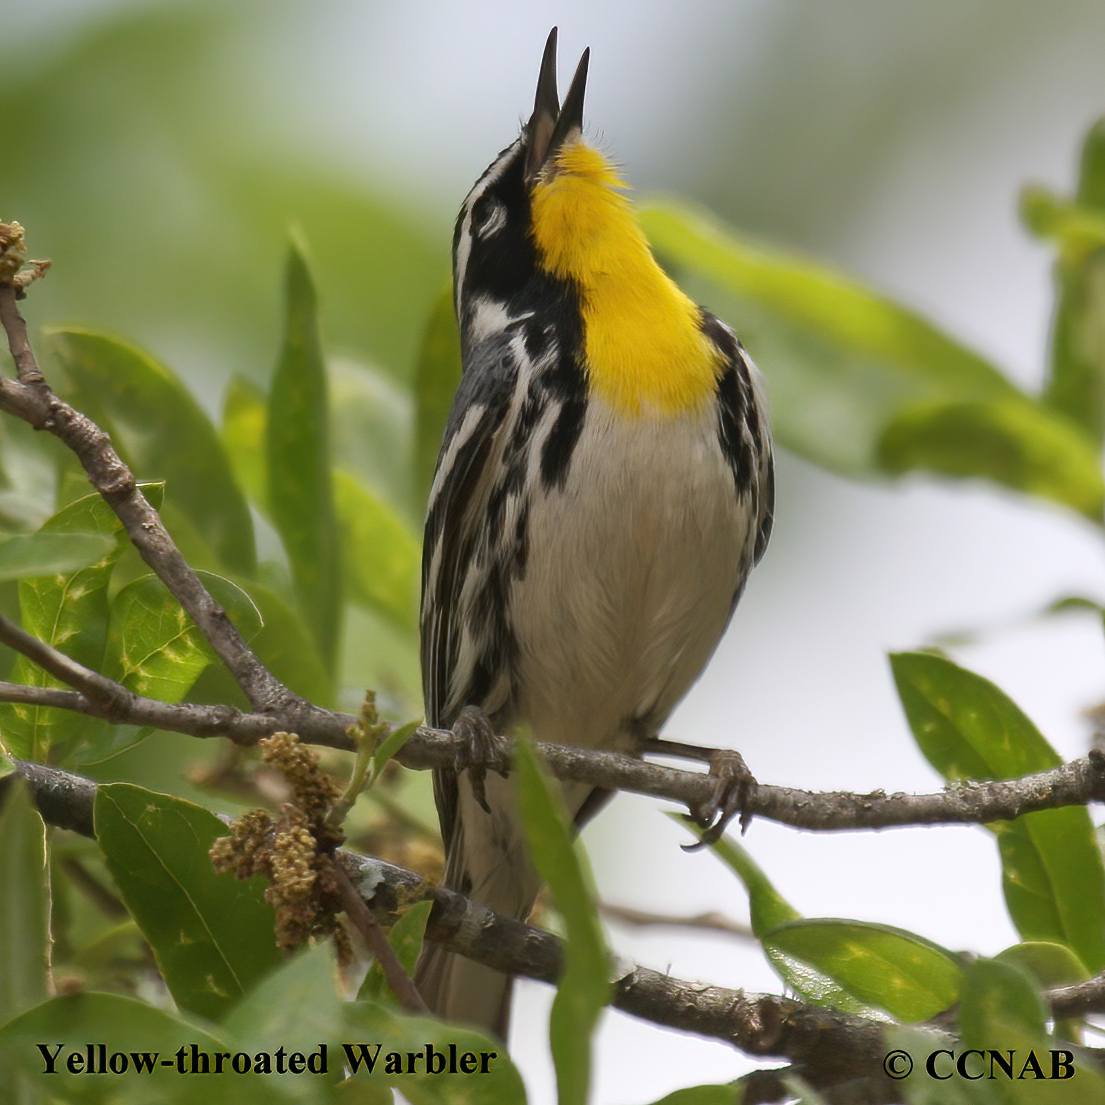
1079,999
193,720
30,398
833,1044
98,696
63,799
1078,782
275,707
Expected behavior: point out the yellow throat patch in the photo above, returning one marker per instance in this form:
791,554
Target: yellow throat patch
644,349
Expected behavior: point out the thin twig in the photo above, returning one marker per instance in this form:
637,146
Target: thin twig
108,695
109,904
397,978
57,698
711,921
29,397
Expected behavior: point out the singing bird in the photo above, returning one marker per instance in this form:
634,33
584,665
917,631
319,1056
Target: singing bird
603,490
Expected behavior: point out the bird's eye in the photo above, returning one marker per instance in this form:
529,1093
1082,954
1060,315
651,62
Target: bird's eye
488,216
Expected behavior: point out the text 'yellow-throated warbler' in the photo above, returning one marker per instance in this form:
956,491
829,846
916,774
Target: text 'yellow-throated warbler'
604,488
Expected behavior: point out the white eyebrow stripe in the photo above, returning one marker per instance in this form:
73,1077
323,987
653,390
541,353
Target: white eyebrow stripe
496,222
464,240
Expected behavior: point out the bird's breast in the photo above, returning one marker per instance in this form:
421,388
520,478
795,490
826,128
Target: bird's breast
633,566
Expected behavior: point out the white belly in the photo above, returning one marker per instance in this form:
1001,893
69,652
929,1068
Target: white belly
630,578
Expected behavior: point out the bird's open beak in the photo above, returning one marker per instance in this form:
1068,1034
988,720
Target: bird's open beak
550,126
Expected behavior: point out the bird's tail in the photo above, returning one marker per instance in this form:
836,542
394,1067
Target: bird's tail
489,863
459,989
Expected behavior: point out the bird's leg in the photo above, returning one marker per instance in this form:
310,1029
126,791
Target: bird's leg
735,788
481,749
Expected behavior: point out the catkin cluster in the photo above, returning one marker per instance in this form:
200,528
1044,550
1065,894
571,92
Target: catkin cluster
293,850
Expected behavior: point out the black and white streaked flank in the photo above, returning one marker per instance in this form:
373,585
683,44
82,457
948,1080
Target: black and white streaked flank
579,565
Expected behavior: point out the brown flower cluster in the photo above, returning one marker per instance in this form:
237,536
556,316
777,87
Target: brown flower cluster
293,850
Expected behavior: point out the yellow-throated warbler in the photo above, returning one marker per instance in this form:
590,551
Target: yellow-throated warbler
604,488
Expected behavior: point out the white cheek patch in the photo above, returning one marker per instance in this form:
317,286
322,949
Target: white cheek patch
489,317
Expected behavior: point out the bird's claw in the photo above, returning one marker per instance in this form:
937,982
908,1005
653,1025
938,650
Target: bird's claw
734,790
481,748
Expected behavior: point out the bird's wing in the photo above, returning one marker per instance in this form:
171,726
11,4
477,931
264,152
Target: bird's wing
454,551
744,430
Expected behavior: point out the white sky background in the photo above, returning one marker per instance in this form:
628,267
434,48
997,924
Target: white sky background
892,140
941,120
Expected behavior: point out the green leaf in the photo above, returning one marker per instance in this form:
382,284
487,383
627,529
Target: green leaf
405,939
909,1051
1002,1013
297,1003
140,1035
1048,964
386,1039
30,478
154,648
1045,858
245,411
391,744
1076,384
24,917
841,360
46,554
1070,604
1076,380
162,433
212,935
966,726
372,432
723,1093
911,978
363,1091
1015,443
768,910
1052,870
68,611
1091,176
584,987
300,490
1075,227
435,383
383,559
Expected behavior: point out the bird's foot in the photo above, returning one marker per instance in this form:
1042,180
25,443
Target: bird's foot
481,749
733,793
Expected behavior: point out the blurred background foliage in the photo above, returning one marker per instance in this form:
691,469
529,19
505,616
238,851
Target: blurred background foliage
144,171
